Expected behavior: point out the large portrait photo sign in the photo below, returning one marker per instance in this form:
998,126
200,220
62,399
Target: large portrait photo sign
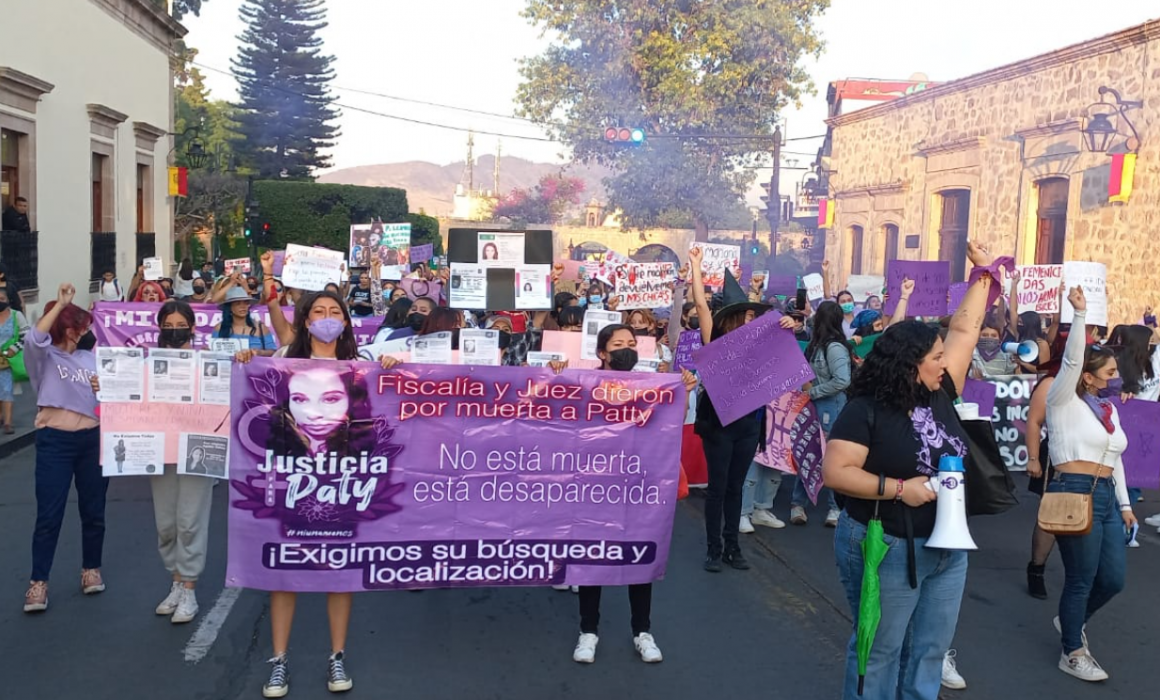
348,477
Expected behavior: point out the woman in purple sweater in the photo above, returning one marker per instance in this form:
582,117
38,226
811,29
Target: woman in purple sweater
61,365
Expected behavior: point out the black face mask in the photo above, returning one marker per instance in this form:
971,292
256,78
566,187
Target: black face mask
639,331
3,306
694,323
505,340
415,321
174,337
88,341
199,290
622,360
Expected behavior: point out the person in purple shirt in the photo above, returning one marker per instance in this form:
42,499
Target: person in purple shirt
62,369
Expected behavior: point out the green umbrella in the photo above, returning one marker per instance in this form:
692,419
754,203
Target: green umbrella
870,606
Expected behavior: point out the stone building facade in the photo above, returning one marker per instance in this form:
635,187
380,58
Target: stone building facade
1000,157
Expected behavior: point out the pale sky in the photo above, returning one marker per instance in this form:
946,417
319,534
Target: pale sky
464,53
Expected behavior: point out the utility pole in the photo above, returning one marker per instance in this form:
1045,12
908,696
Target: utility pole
773,204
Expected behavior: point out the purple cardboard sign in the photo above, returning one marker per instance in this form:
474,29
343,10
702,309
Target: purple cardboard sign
417,289
279,262
781,285
957,291
981,393
688,343
932,281
746,273
422,253
747,368
433,476
1142,458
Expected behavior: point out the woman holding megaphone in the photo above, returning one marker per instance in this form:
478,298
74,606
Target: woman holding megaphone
900,423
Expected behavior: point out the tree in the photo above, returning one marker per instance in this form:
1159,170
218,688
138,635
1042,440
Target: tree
181,7
546,203
686,71
285,115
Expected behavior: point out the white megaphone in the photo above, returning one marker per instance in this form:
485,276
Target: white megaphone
1027,351
950,525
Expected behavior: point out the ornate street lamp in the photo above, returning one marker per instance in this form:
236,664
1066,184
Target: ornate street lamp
1101,122
195,153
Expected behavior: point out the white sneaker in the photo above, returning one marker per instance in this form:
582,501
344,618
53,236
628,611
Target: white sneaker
832,517
1134,543
186,607
746,527
561,587
766,519
1153,520
585,652
167,606
797,515
646,646
950,673
1081,665
1083,632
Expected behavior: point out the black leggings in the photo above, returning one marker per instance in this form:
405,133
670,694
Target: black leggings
639,600
729,451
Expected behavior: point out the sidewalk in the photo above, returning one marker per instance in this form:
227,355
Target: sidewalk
23,415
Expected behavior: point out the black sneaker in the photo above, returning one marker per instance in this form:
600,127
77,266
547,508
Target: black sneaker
279,683
336,680
736,559
713,563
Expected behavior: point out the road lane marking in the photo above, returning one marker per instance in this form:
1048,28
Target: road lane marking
211,623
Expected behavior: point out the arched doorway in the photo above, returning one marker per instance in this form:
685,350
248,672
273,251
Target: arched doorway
857,235
656,253
953,231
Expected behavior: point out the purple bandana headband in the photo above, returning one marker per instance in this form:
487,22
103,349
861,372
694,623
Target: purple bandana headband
976,273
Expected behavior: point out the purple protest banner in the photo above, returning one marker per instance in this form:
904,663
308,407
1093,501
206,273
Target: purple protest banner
747,368
955,294
781,285
793,440
932,281
808,448
1141,464
688,343
422,253
432,476
981,393
134,324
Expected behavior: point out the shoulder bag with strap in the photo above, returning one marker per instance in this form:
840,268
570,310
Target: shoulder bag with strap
1067,513
990,488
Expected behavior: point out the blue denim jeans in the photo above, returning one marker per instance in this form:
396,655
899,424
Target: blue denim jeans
761,486
1094,563
917,624
63,457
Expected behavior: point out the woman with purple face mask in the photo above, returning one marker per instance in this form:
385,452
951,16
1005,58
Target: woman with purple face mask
321,331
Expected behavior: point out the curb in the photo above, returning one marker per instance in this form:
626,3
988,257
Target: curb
17,443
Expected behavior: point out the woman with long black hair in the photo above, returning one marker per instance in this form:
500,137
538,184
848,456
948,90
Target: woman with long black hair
832,358
898,425
729,449
321,331
616,348
1139,367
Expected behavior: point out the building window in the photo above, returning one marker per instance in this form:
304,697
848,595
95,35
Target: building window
1051,229
952,231
9,167
104,191
102,256
890,235
856,236
146,247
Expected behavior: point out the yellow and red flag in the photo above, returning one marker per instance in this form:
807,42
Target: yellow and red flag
178,182
1123,173
826,213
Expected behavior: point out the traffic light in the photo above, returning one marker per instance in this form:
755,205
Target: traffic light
755,248
251,222
265,235
624,136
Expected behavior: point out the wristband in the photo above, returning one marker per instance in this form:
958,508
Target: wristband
898,493
881,485
992,271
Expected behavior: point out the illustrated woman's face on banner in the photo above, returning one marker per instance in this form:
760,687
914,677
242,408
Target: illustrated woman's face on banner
318,402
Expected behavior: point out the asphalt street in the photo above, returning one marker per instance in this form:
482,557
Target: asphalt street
777,631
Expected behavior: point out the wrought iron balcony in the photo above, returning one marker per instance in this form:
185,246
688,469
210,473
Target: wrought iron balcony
19,252
102,256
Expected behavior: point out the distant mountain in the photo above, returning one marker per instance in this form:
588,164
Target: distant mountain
431,187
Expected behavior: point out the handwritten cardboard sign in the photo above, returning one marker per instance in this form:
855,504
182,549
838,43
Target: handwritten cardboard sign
310,268
781,285
1093,277
865,286
717,259
955,295
815,288
422,253
645,285
932,282
747,368
1038,289
688,343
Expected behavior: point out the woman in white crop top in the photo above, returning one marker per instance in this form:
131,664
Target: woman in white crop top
1087,442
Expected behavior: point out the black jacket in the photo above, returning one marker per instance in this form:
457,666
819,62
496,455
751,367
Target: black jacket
15,221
